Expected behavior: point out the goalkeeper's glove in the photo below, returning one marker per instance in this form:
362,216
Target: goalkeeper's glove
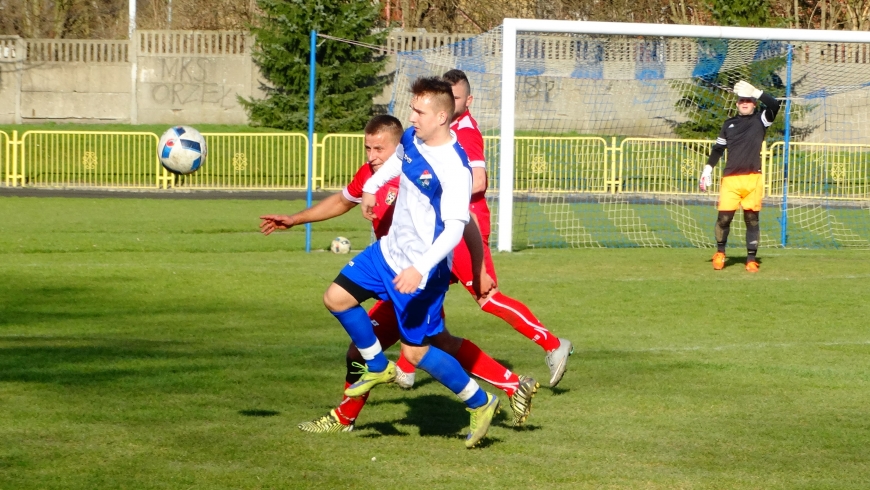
706,178
744,89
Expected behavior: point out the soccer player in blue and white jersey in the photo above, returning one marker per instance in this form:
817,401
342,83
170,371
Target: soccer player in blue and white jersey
411,265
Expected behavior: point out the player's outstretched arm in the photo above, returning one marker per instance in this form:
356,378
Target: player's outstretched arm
332,206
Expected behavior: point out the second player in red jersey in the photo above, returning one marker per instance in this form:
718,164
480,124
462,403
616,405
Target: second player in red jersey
514,312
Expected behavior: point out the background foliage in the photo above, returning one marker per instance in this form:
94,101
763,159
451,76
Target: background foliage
348,76
107,19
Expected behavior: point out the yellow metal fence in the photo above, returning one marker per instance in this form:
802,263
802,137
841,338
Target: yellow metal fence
250,161
5,160
88,158
279,161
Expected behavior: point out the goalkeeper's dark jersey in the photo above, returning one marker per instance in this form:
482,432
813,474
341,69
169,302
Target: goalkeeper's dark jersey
743,136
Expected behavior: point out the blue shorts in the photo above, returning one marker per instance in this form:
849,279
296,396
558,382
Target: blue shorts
418,313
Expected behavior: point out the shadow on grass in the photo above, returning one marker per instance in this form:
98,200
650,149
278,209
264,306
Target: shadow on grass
438,416
433,415
83,361
259,413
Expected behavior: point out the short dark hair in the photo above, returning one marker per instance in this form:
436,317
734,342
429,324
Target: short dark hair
455,76
439,89
385,123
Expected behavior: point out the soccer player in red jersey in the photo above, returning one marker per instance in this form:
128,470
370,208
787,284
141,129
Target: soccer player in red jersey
382,135
496,303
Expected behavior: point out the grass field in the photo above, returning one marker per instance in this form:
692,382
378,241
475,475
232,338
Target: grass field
166,344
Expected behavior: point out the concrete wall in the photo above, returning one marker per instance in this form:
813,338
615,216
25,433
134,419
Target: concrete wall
11,62
82,92
176,77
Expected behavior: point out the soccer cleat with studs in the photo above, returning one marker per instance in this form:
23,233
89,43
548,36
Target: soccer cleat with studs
327,423
369,380
752,266
718,261
481,418
557,361
521,400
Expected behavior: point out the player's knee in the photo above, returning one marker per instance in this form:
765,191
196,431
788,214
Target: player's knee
481,301
724,219
413,354
751,218
447,342
337,299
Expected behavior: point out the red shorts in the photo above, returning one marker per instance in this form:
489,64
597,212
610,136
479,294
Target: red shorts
462,272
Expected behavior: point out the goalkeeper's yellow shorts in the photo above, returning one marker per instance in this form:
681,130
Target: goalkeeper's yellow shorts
741,190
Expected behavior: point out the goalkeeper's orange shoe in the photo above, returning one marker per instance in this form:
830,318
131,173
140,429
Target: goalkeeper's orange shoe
752,266
718,261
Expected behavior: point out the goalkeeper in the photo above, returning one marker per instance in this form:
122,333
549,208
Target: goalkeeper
742,183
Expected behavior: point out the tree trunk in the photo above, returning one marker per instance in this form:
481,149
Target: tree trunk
824,13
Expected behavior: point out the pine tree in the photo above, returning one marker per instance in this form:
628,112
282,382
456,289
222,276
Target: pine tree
707,101
347,76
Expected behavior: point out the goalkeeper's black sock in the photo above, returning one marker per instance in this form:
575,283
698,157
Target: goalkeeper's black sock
720,247
750,256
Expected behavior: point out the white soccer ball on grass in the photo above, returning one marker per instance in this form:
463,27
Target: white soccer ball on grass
340,245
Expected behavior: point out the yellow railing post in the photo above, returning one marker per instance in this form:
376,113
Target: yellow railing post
164,178
766,157
7,165
615,166
317,178
15,176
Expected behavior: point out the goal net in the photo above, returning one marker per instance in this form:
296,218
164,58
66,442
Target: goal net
596,133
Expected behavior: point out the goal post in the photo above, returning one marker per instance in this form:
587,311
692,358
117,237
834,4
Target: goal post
596,133
511,27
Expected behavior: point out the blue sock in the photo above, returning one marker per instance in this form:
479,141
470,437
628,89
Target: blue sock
358,325
449,372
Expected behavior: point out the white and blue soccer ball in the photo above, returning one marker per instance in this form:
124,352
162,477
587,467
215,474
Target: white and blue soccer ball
340,245
182,150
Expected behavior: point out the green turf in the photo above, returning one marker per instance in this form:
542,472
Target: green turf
166,344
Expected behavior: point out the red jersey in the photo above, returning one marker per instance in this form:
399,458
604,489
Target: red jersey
384,198
471,140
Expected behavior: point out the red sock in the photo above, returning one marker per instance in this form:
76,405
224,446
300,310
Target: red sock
486,368
522,319
349,408
404,365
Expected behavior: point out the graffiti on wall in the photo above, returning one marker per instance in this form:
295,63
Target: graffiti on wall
186,81
537,87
